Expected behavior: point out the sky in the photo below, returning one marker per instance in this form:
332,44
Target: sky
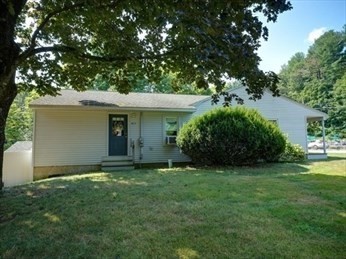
296,30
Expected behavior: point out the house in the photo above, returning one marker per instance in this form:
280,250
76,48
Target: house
84,131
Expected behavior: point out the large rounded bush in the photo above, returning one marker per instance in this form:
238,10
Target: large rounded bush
231,136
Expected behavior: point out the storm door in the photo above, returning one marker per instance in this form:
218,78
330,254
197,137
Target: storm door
117,135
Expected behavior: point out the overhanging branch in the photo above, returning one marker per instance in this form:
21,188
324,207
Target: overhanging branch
77,53
30,50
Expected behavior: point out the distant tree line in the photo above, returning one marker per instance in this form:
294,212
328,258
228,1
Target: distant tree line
318,79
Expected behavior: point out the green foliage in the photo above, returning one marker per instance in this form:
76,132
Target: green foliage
231,136
337,115
199,41
292,153
168,83
20,119
319,80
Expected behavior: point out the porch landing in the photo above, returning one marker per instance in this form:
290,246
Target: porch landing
317,156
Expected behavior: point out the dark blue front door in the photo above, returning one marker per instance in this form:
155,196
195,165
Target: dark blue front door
117,135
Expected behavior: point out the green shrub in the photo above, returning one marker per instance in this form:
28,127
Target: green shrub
292,153
231,136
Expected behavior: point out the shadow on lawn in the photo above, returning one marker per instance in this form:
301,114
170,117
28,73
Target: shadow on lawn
255,170
73,184
77,190
334,158
47,208
81,208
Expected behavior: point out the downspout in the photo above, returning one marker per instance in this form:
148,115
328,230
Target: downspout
324,137
33,141
140,140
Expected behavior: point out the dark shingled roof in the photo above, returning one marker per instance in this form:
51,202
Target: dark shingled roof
71,98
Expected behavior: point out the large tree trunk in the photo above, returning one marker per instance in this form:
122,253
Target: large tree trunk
9,52
7,94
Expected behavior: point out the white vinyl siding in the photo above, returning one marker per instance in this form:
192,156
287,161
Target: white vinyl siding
70,137
80,137
133,133
291,117
153,132
64,137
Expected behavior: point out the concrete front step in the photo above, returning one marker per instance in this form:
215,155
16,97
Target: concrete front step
116,158
117,163
117,168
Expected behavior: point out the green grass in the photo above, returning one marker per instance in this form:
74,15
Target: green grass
278,210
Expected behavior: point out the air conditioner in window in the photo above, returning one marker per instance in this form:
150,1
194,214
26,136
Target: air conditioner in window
171,140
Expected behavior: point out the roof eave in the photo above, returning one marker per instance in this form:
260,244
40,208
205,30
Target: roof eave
321,114
100,108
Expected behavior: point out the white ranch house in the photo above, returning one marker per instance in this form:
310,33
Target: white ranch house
93,130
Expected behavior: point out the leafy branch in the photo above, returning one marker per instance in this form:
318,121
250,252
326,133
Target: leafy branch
83,55
30,51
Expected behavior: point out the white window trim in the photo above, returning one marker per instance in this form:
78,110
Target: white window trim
164,128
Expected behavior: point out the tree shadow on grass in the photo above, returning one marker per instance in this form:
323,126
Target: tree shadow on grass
258,169
45,196
73,207
80,207
334,158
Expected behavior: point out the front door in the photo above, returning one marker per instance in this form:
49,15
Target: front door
117,135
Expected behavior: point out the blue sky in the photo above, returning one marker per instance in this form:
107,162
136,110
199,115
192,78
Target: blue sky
290,33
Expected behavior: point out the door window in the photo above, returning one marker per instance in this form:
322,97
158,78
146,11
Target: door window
118,126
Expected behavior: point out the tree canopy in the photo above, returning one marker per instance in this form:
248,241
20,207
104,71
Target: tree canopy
167,83
47,45
318,79
70,42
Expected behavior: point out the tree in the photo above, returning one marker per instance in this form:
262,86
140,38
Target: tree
168,83
293,76
338,113
20,119
318,79
50,44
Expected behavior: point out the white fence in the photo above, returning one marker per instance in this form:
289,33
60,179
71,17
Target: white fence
17,167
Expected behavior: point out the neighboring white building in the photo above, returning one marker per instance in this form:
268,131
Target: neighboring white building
17,167
83,131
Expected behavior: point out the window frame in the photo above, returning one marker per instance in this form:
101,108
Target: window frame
177,126
165,135
274,121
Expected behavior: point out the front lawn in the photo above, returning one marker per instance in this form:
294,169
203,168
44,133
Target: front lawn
277,210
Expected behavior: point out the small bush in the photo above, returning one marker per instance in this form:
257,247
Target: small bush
292,153
231,136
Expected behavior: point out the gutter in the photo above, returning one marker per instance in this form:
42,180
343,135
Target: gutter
109,108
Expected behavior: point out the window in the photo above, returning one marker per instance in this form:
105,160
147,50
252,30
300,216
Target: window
171,130
171,126
275,122
118,126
